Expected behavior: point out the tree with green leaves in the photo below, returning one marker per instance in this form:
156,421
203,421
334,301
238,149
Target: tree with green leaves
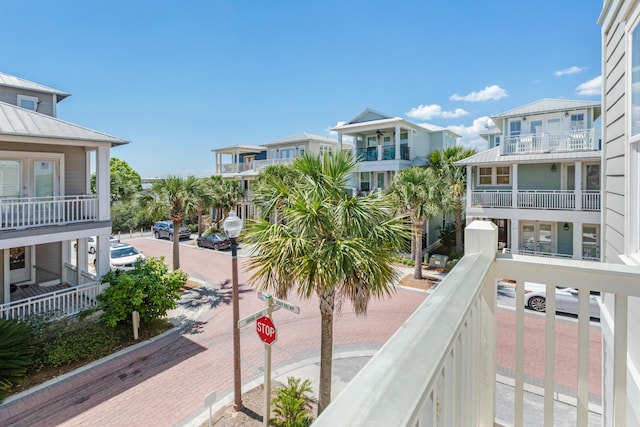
15,354
203,200
328,244
455,178
174,197
226,193
417,192
271,188
125,182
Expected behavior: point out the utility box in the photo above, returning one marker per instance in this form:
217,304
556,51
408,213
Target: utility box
438,261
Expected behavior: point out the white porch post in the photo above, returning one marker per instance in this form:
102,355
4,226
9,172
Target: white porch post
82,259
397,141
577,240
515,235
578,186
6,279
104,214
470,187
340,142
514,186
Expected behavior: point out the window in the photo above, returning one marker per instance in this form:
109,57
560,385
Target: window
287,153
301,151
28,102
484,176
502,175
404,136
499,175
577,121
326,149
536,126
381,180
497,141
515,127
364,181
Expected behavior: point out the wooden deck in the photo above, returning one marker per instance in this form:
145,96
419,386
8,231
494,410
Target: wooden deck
33,290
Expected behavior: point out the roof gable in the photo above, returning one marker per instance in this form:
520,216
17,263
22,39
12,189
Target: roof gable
369,115
18,121
16,82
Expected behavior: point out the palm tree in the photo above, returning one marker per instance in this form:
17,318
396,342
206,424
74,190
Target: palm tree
173,196
326,244
203,199
272,188
455,178
226,194
418,192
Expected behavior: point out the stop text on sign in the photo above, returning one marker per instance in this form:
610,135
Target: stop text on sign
266,330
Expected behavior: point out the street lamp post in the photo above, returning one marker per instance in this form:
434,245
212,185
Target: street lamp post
232,226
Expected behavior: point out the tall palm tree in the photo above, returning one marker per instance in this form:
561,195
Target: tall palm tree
326,244
174,196
418,192
203,199
226,194
455,178
272,188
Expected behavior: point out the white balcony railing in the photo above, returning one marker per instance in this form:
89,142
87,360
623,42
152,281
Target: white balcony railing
548,142
61,303
536,199
439,368
42,211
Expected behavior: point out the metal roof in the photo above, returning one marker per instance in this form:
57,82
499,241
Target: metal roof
18,121
239,148
493,156
551,105
302,137
12,81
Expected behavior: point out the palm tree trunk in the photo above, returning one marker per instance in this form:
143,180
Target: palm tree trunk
200,222
417,273
176,244
326,349
457,222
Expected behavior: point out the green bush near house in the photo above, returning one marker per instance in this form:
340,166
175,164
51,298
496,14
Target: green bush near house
15,354
291,404
150,289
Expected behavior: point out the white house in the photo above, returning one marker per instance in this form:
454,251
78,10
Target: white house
539,182
384,145
46,206
245,162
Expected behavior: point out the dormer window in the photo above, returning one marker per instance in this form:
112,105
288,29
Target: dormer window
28,102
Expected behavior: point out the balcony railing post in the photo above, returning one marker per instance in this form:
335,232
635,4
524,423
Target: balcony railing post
482,237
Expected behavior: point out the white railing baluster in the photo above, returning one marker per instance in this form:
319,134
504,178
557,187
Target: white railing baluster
582,406
519,356
550,354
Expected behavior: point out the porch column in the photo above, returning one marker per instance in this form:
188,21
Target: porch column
514,185
578,185
515,235
6,279
82,260
470,186
397,141
103,183
340,142
577,240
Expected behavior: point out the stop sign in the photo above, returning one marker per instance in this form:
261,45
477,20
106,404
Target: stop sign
266,330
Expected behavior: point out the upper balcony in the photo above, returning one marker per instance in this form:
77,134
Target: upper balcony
537,199
252,166
27,212
440,368
549,142
378,153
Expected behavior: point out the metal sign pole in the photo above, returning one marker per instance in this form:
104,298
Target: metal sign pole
267,370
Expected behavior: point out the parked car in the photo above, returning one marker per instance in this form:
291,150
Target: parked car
92,241
214,241
535,298
123,256
164,229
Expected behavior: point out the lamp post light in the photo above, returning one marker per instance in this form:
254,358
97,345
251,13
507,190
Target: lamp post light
232,226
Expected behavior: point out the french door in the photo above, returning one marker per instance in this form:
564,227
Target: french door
538,237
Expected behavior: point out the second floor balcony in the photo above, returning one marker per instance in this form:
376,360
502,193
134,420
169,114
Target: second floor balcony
441,367
548,142
27,212
537,199
378,153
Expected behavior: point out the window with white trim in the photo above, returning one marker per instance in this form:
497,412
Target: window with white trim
577,121
28,102
515,127
497,175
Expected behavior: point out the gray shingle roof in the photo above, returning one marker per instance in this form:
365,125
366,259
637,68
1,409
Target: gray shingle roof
18,121
12,81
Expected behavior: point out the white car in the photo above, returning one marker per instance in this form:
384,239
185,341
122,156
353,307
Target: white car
535,298
91,243
123,256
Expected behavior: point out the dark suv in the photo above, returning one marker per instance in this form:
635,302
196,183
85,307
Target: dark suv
164,229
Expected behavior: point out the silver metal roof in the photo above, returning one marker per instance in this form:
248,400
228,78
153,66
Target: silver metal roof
12,81
551,105
492,156
300,137
18,121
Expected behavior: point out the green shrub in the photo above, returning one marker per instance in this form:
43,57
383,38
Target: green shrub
150,289
15,354
291,405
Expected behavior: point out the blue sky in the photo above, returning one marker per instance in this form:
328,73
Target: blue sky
180,78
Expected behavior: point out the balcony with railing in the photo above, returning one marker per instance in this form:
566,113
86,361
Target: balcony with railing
537,199
440,368
16,213
373,154
548,142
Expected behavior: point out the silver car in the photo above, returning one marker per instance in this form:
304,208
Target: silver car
535,298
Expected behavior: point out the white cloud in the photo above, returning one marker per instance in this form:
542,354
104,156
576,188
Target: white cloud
592,87
493,92
571,70
427,112
470,135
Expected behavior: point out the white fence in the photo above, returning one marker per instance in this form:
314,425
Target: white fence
492,199
42,211
548,142
537,199
62,303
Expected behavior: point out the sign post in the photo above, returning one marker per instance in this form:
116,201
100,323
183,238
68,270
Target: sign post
268,334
